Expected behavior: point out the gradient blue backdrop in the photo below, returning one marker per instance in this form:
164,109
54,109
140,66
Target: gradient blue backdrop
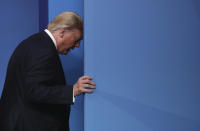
144,56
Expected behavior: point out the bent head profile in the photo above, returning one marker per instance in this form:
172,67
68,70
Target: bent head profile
67,29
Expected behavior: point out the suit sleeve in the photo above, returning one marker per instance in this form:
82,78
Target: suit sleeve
42,84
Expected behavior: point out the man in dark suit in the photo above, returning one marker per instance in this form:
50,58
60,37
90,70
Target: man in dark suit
35,95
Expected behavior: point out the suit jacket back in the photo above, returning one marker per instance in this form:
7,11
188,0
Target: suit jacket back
35,95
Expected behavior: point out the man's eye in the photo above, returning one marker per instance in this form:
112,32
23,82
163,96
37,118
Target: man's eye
77,41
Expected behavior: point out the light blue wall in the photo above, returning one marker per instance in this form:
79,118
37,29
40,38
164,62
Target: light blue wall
144,56
19,19
72,62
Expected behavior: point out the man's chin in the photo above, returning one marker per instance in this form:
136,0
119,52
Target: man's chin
64,52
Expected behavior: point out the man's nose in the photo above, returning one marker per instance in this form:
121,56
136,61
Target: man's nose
77,44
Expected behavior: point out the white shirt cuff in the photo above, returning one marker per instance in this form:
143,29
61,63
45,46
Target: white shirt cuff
73,96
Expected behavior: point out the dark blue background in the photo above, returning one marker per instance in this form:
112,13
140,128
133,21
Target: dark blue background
18,19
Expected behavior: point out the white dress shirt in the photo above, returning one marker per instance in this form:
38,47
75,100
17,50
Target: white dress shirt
54,41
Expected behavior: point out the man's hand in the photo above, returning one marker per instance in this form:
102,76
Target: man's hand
83,85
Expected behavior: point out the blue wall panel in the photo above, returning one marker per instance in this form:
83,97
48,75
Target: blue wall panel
19,19
144,57
73,61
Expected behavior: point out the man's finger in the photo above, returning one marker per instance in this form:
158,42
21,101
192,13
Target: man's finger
88,82
87,91
86,77
89,86
92,83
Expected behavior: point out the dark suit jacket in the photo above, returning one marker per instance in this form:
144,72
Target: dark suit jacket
35,95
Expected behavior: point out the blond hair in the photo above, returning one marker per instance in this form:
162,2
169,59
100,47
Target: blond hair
68,19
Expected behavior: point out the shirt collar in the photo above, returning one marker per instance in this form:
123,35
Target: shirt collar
51,36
